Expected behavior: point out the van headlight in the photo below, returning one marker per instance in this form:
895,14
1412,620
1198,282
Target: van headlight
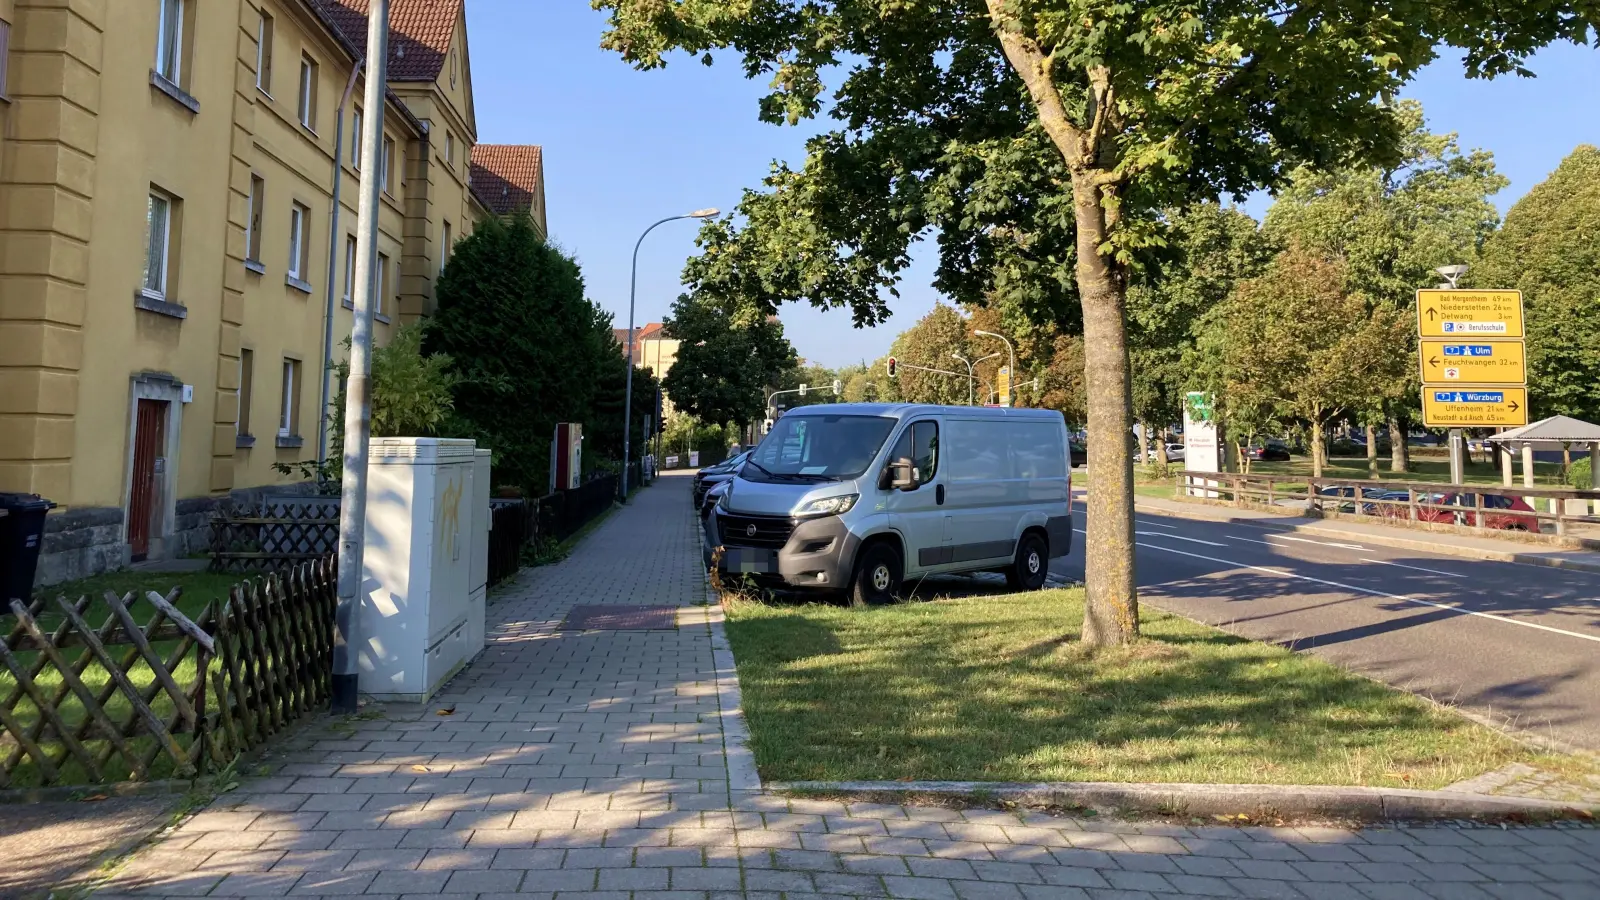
827,506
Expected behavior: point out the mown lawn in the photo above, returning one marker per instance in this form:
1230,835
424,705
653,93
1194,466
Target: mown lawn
997,688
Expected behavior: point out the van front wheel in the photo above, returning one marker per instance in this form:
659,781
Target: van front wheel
877,576
1031,566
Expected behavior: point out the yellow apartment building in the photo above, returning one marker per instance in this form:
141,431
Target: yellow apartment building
168,255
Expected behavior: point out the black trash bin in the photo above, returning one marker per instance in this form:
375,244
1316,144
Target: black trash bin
21,534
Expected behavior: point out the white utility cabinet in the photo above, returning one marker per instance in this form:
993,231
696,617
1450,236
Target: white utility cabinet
482,518
419,625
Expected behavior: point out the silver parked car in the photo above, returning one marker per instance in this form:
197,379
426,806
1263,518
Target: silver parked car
859,497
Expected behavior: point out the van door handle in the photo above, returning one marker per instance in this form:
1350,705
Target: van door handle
938,495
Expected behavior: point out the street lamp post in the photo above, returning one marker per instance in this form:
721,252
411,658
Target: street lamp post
972,379
633,290
1011,354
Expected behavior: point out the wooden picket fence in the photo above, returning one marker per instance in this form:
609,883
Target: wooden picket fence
174,697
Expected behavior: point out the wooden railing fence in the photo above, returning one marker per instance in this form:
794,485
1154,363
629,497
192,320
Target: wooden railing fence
178,695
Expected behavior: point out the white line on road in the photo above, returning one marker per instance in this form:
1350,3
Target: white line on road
1159,525
1384,562
1375,593
1285,537
1179,537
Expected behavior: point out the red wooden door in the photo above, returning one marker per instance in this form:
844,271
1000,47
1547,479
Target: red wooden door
149,441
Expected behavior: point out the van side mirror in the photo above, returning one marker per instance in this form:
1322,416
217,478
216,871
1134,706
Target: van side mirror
902,475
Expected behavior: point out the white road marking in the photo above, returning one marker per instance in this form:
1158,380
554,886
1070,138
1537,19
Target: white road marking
1179,537
1375,593
1285,537
1159,525
1385,562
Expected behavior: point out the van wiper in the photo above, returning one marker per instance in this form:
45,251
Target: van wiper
776,476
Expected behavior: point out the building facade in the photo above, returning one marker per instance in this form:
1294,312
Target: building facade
169,258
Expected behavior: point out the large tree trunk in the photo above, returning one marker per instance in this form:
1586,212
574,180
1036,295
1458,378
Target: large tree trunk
1318,449
1111,614
1399,450
1144,442
1161,449
1372,451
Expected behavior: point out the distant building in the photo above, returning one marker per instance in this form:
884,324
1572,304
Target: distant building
166,171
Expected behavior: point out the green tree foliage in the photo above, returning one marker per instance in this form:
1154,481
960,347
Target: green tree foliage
1209,250
1549,248
818,380
523,343
602,427
1039,138
728,358
929,344
1295,344
1393,224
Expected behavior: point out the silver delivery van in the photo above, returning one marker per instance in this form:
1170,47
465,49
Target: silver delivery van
858,497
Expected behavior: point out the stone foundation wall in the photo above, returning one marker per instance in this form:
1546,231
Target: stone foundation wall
88,541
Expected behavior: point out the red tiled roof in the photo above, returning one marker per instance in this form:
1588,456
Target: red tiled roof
420,32
649,331
506,177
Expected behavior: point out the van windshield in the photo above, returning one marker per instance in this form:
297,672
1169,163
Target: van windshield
818,448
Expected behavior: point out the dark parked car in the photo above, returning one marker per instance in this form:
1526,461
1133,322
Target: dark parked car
1352,492
1268,451
710,475
1079,454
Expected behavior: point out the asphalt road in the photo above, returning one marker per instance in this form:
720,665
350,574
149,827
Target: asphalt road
1517,643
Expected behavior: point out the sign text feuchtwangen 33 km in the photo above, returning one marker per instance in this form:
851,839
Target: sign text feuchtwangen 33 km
1474,364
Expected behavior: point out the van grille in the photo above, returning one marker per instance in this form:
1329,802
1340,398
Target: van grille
771,532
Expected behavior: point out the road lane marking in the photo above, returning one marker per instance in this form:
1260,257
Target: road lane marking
1179,537
1385,562
1159,525
1285,537
1375,593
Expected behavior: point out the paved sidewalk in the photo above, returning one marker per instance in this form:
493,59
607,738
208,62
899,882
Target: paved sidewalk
596,765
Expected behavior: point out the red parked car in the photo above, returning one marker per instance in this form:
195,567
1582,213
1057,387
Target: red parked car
1500,513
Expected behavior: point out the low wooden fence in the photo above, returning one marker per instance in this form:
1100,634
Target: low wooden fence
179,695
269,533
1554,512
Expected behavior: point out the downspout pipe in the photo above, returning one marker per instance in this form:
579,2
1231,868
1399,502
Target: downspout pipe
333,260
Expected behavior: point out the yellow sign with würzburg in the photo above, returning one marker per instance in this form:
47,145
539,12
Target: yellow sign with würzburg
1473,361
1469,314
1474,407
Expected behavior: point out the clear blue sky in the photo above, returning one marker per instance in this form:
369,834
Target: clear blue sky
624,148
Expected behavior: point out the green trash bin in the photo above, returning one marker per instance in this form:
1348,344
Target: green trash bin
21,536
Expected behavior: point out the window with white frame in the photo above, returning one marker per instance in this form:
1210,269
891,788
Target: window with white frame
299,218
5,53
386,165
355,140
252,227
377,284
449,149
247,367
349,270
169,41
264,53
289,408
158,249
308,92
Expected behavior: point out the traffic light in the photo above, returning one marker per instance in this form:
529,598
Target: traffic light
836,387
802,390
891,366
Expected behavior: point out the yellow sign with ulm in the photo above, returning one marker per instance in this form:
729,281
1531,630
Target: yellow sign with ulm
1473,362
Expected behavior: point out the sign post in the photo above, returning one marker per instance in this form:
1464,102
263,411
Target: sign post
1003,385
1202,446
1473,361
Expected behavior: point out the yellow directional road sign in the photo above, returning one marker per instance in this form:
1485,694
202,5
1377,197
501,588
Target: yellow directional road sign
1469,314
1473,362
1474,407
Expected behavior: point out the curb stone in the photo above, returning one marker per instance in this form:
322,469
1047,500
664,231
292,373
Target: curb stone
1290,801
1404,543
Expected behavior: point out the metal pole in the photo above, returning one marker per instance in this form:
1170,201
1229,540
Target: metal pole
1011,354
627,400
970,378
358,399
333,255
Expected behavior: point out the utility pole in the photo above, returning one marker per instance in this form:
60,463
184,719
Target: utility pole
358,393
1458,440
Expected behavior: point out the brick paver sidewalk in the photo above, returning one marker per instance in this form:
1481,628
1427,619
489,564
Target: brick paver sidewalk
593,765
